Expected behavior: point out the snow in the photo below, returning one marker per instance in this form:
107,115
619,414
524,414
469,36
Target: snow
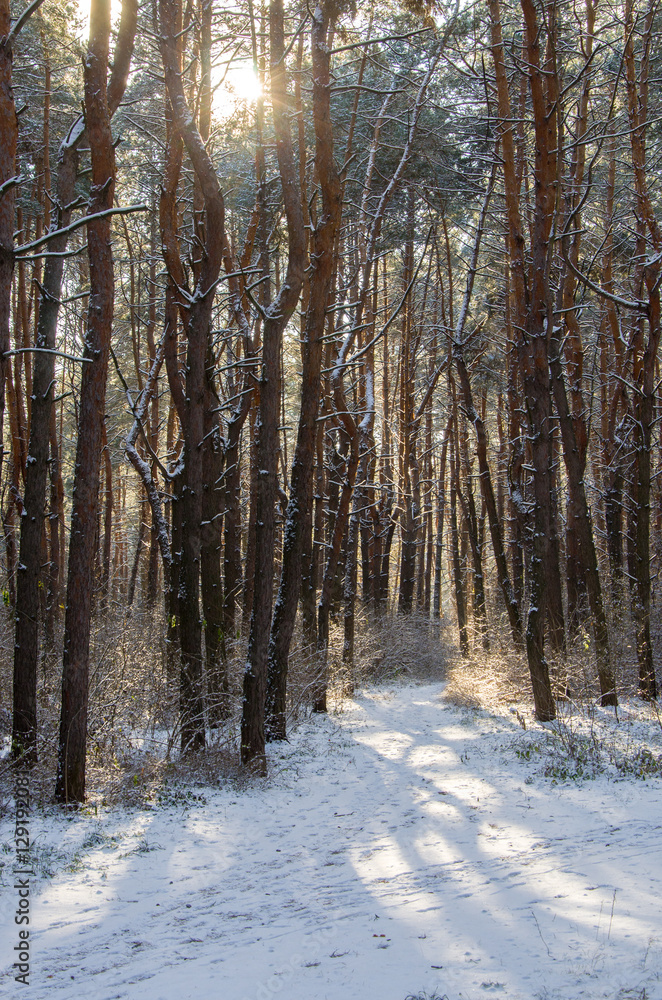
401,847
364,426
75,133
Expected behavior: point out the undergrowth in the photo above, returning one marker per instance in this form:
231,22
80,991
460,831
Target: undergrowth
580,746
585,741
426,996
133,729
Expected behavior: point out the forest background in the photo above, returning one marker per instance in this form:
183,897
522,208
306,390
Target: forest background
324,332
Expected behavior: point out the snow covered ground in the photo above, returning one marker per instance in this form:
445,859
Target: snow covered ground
404,847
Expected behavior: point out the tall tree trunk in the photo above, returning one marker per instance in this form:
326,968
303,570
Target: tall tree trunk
441,510
310,555
56,534
25,709
210,566
198,312
107,521
173,156
8,179
72,743
555,614
534,317
460,602
614,403
232,524
409,521
153,566
321,279
644,399
516,482
468,505
43,425
575,463
249,552
644,411
276,317
349,595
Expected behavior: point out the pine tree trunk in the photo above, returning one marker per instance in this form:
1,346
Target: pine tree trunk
575,463
321,279
649,245
441,510
232,530
107,521
531,298
460,603
196,317
8,145
211,581
276,318
72,743
55,534
43,429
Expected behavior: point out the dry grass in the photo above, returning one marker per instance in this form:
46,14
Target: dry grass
490,681
499,678
585,741
133,715
132,722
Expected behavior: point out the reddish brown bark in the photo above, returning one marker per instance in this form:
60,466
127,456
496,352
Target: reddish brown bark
211,581
487,490
55,568
107,520
8,143
650,238
614,396
534,316
43,429
276,317
321,278
441,511
460,600
198,311
70,782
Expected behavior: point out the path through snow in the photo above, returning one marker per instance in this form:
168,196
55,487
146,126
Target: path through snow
399,848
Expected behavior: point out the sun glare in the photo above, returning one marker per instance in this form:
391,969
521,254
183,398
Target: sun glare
84,17
234,87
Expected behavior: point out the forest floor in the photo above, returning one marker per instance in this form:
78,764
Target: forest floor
404,847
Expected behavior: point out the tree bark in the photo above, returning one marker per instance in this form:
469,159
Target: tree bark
460,602
70,782
8,145
441,511
645,394
198,312
42,425
575,464
210,566
276,317
323,264
532,300
25,709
